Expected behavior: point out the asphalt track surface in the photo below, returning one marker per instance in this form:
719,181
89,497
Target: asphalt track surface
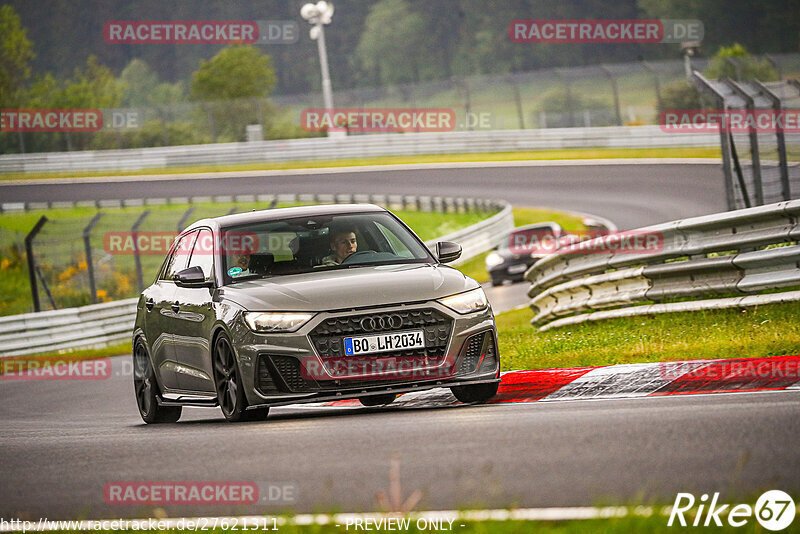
62,441
630,195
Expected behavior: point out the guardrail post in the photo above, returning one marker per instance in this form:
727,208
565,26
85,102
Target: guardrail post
87,247
615,91
136,258
754,155
656,83
726,142
184,218
780,138
31,261
517,100
737,68
568,96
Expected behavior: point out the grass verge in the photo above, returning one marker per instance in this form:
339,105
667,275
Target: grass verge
572,153
769,330
59,248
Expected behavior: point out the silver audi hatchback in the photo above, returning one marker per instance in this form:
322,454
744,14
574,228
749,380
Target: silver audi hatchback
308,304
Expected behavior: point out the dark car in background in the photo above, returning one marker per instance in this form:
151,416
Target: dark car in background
253,310
520,249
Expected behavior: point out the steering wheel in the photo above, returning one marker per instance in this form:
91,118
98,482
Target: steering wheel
358,254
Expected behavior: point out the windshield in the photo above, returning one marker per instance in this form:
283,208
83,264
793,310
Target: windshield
305,244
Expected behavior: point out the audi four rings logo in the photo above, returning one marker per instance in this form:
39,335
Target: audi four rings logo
381,322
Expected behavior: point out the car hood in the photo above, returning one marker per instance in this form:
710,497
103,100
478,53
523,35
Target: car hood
374,285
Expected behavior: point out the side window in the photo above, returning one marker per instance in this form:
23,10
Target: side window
179,257
203,253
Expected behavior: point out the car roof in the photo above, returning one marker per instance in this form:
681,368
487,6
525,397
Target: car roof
544,224
277,214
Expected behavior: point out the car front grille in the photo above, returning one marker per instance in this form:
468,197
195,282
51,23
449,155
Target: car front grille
329,334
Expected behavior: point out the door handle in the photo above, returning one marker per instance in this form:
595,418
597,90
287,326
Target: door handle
149,303
176,307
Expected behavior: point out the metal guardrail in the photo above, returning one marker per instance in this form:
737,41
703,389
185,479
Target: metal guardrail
356,146
714,255
99,325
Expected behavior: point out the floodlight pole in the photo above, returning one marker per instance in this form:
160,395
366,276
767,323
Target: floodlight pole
318,15
327,91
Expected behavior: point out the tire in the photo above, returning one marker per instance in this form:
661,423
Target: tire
377,400
497,282
229,387
475,393
146,390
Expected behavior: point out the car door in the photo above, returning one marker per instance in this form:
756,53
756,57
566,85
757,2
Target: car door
193,321
160,315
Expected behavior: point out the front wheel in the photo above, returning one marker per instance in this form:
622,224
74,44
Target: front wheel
475,393
146,389
228,383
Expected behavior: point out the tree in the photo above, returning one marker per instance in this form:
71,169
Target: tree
16,52
235,72
395,44
748,66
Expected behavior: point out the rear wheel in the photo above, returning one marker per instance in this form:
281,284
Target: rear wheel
146,389
377,400
497,282
228,383
476,392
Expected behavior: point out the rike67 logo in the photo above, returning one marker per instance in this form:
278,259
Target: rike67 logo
774,510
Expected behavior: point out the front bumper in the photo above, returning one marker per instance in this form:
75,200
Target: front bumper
306,366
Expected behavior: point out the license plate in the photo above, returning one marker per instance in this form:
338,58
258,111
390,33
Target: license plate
519,268
410,339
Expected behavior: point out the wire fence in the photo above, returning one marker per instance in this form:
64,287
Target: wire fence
109,250
761,159
603,95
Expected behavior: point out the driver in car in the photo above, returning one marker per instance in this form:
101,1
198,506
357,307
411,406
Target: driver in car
343,243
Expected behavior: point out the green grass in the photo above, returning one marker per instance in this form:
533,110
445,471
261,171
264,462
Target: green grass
769,330
60,252
632,523
572,153
476,267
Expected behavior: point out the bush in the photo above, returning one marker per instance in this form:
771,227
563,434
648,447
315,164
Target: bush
751,67
679,95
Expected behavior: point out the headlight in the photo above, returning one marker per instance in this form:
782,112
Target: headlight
492,259
468,302
276,322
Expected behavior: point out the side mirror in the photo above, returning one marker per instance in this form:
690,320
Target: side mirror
192,277
447,251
